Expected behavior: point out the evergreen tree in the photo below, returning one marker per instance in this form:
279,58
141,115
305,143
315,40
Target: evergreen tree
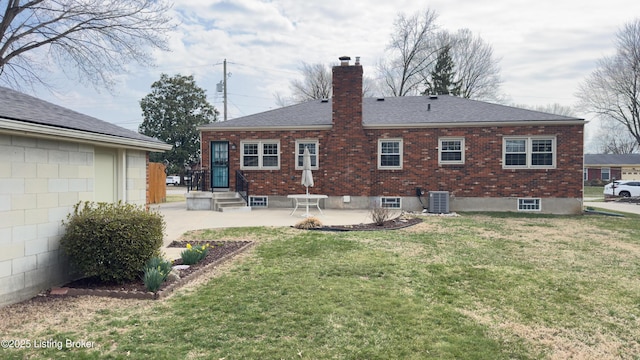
441,80
172,112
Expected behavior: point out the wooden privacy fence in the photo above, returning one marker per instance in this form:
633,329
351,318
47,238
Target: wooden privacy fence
157,183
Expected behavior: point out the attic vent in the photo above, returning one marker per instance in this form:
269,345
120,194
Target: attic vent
324,100
380,99
439,202
433,96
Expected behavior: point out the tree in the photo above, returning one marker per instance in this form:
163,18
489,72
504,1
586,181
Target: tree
554,108
612,138
612,91
96,38
316,84
410,53
172,112
477,71
441,77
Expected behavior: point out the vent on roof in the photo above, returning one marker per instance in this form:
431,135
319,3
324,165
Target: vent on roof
324,100
380,99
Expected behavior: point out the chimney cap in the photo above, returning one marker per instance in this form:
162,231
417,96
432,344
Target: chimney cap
344,60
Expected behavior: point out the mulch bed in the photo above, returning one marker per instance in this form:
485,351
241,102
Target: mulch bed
220,252
393,224
630,200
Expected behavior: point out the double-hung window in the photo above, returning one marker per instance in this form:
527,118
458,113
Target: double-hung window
260,155
390,154
529,152
312,145
451,151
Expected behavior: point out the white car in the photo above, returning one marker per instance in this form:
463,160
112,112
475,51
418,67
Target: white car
624,188
173,180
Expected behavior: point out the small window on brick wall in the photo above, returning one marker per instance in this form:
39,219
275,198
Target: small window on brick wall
451,151
391,202
390,154
529,204
258,201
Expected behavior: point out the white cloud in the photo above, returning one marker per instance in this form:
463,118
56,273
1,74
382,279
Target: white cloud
546,47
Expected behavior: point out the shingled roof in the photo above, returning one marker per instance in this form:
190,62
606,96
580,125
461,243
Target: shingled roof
17,106
612,159
395,111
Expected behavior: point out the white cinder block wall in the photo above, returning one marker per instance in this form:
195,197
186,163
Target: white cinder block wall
40,181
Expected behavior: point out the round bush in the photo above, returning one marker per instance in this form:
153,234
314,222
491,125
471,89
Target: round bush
112,242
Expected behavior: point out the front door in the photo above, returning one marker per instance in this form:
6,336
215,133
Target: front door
220,164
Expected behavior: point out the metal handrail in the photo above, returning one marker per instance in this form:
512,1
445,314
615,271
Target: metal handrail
242,186
198,180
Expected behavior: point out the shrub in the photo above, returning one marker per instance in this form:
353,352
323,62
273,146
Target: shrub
111,242
153,278
194,254
379,215
308,223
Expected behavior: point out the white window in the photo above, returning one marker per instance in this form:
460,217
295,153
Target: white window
451,151
312,145
605,174
263,154
529,152
390,202
529,204
258,201
389,154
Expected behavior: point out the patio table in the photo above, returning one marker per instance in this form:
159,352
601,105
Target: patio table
307,200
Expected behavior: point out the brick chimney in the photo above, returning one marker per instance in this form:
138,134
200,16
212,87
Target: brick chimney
347,94
348,163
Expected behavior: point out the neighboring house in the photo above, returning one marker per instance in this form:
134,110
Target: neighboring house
602,168
50,159
372,151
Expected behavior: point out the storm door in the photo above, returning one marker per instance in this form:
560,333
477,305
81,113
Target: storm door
220,164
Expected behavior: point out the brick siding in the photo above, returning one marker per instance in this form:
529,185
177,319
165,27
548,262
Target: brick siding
348,162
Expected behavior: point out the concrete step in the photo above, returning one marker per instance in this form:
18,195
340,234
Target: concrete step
229,201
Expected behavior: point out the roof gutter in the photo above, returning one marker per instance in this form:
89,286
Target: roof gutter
264,128
476,124
13,127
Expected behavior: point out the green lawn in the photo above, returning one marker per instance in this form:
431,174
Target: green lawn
468,287
593,191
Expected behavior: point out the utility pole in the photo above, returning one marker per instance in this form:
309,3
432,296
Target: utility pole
224,69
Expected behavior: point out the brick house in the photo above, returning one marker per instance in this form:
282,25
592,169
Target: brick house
369,151
50,159
602,168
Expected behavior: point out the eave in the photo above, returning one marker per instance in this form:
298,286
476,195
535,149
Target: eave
13,127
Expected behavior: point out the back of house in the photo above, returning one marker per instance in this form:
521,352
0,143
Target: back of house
473,155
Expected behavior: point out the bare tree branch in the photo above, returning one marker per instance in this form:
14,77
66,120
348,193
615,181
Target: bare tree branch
95,38
612,91
477,71
412,50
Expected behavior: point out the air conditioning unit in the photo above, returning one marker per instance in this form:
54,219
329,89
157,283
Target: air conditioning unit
439,202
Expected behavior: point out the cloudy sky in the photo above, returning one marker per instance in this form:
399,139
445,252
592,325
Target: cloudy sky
546,47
